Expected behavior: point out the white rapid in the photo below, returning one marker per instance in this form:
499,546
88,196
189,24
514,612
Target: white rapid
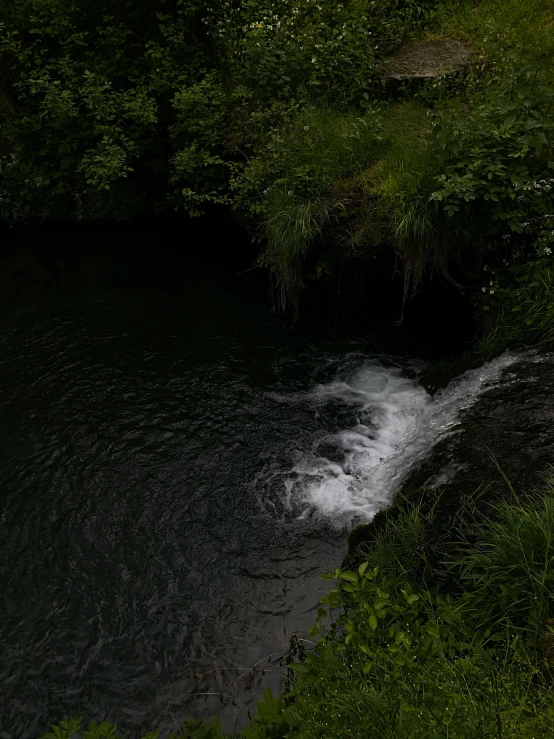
354,473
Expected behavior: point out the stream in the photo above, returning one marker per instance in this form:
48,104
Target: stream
178,471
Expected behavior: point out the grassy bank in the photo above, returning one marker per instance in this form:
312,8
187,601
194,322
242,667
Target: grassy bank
277,109
499,28
455,173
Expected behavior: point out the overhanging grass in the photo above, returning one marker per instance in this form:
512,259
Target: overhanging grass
328,162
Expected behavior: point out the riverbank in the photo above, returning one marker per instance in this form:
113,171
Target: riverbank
336,174
431,632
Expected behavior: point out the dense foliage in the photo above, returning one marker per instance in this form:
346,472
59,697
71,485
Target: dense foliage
108,108
276,108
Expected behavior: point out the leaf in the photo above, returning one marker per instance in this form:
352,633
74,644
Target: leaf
301,668
362,568
412,598
74,724
58,733
373,621
349,576
433,630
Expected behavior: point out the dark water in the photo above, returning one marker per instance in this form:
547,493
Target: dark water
178,470
135,550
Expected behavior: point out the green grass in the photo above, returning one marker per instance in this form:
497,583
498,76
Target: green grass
414,219
525,315
521,29
291,227
506,567
320,168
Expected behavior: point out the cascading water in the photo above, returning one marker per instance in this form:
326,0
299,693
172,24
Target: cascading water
349,475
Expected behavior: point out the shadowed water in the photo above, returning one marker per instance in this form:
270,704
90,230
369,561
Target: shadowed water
177,473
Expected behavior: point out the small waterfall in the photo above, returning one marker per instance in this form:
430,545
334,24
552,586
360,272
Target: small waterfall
351,474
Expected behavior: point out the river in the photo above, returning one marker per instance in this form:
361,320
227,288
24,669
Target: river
178,470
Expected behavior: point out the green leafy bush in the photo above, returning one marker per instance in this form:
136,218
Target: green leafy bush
84,104
320,45
471,661
163,100
482,188
517,307
495,155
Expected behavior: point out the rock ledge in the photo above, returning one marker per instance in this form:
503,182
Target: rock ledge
427,59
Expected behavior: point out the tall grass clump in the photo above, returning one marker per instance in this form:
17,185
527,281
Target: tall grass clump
400,541
365,174
291,227
415,218
507,566
289,185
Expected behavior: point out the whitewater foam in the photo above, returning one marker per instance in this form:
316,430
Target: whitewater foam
355,472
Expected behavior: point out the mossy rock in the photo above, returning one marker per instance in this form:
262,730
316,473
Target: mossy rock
427,59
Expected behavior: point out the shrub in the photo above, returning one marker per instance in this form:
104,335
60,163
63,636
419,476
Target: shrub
402,664
494,155
483,184
517,307
319,45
